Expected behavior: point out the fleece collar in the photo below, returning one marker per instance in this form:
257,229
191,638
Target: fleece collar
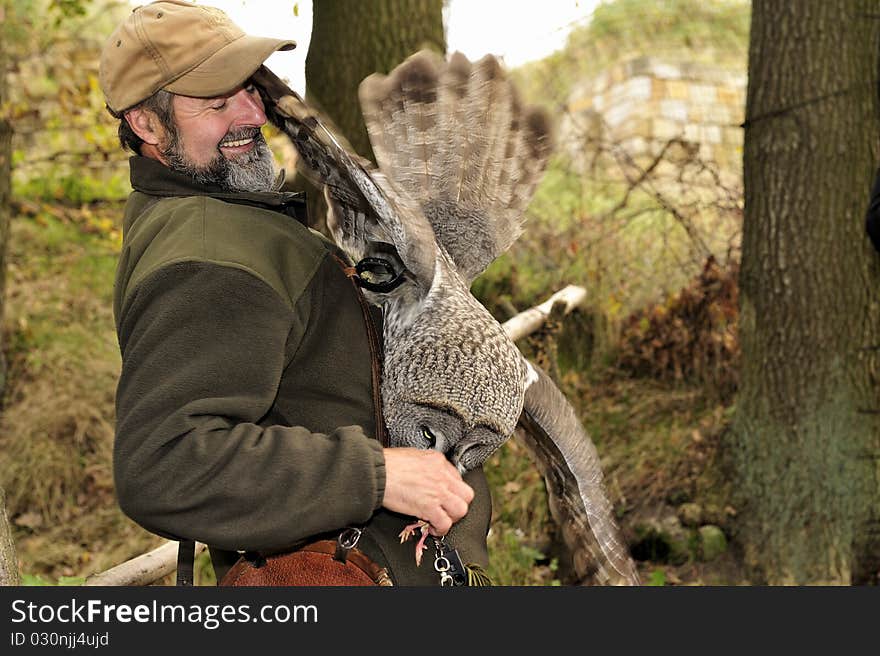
151,177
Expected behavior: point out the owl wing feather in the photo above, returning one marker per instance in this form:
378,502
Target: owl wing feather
569,462
455,136
404,103
365,206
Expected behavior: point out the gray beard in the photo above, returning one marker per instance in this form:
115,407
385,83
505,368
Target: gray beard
252,171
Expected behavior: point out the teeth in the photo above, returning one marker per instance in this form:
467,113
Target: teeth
234,144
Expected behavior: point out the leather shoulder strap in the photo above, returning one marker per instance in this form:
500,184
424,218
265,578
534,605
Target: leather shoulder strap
186,555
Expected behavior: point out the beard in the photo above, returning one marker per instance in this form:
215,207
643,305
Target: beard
251,171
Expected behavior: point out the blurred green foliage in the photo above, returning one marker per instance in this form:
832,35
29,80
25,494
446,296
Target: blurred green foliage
35,579
657,578
71,188
64,141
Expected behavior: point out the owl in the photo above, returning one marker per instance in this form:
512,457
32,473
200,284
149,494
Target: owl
459,157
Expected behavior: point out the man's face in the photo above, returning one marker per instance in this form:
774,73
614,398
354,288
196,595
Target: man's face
218,140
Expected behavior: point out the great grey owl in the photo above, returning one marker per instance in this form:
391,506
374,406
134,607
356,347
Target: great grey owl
458,161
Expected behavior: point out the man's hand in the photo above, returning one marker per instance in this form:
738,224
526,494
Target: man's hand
426,485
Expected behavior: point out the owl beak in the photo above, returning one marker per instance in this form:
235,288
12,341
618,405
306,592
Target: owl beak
455,458
438,441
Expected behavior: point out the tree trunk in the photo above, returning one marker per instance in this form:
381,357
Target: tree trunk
352,39
805,440
5,192
8,560
9,574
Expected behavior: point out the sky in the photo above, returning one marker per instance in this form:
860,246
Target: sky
517,30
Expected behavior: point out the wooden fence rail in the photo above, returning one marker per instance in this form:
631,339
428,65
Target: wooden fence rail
144,569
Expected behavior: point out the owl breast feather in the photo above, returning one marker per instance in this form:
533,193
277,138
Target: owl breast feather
455,355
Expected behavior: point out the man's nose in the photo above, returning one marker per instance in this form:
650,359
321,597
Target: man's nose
250,107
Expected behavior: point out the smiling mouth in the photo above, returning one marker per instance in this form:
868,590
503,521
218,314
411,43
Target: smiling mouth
236,143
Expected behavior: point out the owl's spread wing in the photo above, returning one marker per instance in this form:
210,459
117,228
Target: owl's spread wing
365,207
456,138
568,460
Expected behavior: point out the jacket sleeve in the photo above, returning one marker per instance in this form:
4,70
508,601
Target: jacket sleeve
872,217
204,346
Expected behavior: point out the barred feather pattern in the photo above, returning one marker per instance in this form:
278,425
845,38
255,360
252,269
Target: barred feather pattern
451,369
455,136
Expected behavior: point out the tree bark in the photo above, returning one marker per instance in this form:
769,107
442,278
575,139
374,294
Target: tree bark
351,40
9,574
805,440
5,199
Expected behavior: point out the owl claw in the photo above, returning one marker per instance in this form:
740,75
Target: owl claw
408,532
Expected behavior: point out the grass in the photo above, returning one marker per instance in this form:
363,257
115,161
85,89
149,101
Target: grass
658,445
656,440
521,534
57,425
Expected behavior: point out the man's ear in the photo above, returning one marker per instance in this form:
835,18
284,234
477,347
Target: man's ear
146,125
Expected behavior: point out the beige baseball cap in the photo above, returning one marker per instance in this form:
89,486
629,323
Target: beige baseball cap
188,49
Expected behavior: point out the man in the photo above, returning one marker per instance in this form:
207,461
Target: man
247,413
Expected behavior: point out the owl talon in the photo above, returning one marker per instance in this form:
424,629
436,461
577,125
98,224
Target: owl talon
409,530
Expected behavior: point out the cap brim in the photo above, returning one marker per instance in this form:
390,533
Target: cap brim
228,68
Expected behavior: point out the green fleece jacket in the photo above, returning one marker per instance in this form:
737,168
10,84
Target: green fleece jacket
245,409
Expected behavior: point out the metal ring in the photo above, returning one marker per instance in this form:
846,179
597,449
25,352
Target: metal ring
438,564
349,537
380,287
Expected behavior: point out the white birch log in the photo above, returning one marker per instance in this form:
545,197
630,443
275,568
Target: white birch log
530,320
144,569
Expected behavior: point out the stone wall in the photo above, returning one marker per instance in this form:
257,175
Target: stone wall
643,103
